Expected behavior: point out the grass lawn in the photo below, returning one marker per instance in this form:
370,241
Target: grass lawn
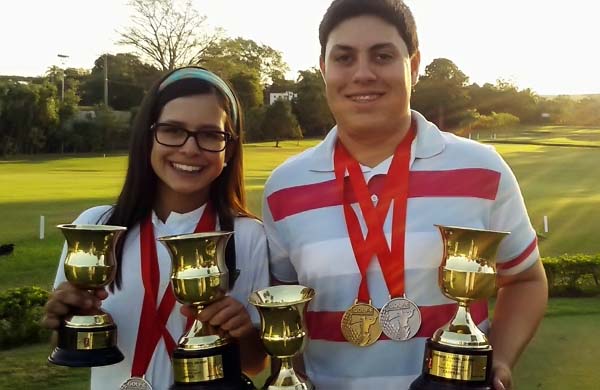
558,182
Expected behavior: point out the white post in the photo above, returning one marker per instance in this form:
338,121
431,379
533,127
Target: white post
42,226
469,135
545,224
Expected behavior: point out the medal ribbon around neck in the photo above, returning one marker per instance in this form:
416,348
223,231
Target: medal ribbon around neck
153,322
391,261
395,188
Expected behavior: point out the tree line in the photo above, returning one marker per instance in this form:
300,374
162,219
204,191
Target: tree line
36,116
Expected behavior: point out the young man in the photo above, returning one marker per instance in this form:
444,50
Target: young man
324,211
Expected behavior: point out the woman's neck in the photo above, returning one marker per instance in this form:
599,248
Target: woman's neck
168,201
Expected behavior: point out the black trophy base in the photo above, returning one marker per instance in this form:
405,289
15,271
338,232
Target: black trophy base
86,347
428,381
85,358
243,383
233,379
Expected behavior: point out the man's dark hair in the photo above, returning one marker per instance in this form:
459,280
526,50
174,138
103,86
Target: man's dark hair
394,12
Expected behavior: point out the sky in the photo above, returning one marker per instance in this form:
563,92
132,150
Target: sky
550,46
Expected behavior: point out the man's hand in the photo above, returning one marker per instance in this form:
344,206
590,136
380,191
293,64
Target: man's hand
502,376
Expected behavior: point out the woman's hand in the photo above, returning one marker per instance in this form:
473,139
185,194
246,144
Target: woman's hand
226,314
66,299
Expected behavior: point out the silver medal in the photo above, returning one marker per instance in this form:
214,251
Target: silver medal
400,319
135,383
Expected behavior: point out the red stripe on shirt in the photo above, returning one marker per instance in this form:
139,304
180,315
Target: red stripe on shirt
519,259
325,325
468,183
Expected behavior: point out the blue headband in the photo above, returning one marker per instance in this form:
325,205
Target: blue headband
209,77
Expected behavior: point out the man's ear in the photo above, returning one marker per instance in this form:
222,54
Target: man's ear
322,67
415,62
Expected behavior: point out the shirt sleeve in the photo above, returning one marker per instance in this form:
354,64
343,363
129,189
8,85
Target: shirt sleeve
252,261
519,250
280,263
93,216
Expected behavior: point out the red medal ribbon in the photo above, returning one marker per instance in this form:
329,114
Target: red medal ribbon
396,189
153,322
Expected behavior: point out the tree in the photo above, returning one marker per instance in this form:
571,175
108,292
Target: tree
247,86
128,80
504,96
280,123
168,33
310,105
230,56
441,93
28,112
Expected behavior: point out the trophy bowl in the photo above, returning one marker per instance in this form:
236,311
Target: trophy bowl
203,359
459,355
283,332
88,338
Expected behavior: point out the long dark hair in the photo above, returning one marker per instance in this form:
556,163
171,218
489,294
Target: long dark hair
138,194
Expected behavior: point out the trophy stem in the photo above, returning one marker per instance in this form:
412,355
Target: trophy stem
287,379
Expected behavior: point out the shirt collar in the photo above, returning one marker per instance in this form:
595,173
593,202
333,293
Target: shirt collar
428,143
177,223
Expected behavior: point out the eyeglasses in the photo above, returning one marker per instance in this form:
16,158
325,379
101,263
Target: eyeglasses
172,135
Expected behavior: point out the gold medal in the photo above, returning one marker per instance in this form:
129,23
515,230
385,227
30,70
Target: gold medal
135,383
360,324
400,319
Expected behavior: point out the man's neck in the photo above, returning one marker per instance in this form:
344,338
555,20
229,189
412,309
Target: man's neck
371,148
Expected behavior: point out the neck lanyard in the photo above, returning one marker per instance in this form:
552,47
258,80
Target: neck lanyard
153,321
396,189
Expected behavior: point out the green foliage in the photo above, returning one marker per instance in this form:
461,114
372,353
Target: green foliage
28,113
494,121
248,89
253,123
573,275
280,123
231,56
310,105
21,310
128,79
441,94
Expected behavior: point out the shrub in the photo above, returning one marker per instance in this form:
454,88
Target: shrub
20,312
573,275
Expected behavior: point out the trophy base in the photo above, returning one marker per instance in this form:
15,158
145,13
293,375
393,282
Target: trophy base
88,358
449,362
244,383
210,369
425,382
86,347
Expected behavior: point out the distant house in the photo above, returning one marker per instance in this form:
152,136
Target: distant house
274,96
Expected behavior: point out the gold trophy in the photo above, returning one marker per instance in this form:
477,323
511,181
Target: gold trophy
459,355
203,359
88,338
283,330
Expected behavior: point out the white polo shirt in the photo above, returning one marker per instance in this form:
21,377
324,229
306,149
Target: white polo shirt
125,304
452,181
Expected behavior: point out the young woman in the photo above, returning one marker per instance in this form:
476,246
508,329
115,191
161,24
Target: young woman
185,162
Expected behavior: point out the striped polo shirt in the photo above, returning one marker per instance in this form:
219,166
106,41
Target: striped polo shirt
452,181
